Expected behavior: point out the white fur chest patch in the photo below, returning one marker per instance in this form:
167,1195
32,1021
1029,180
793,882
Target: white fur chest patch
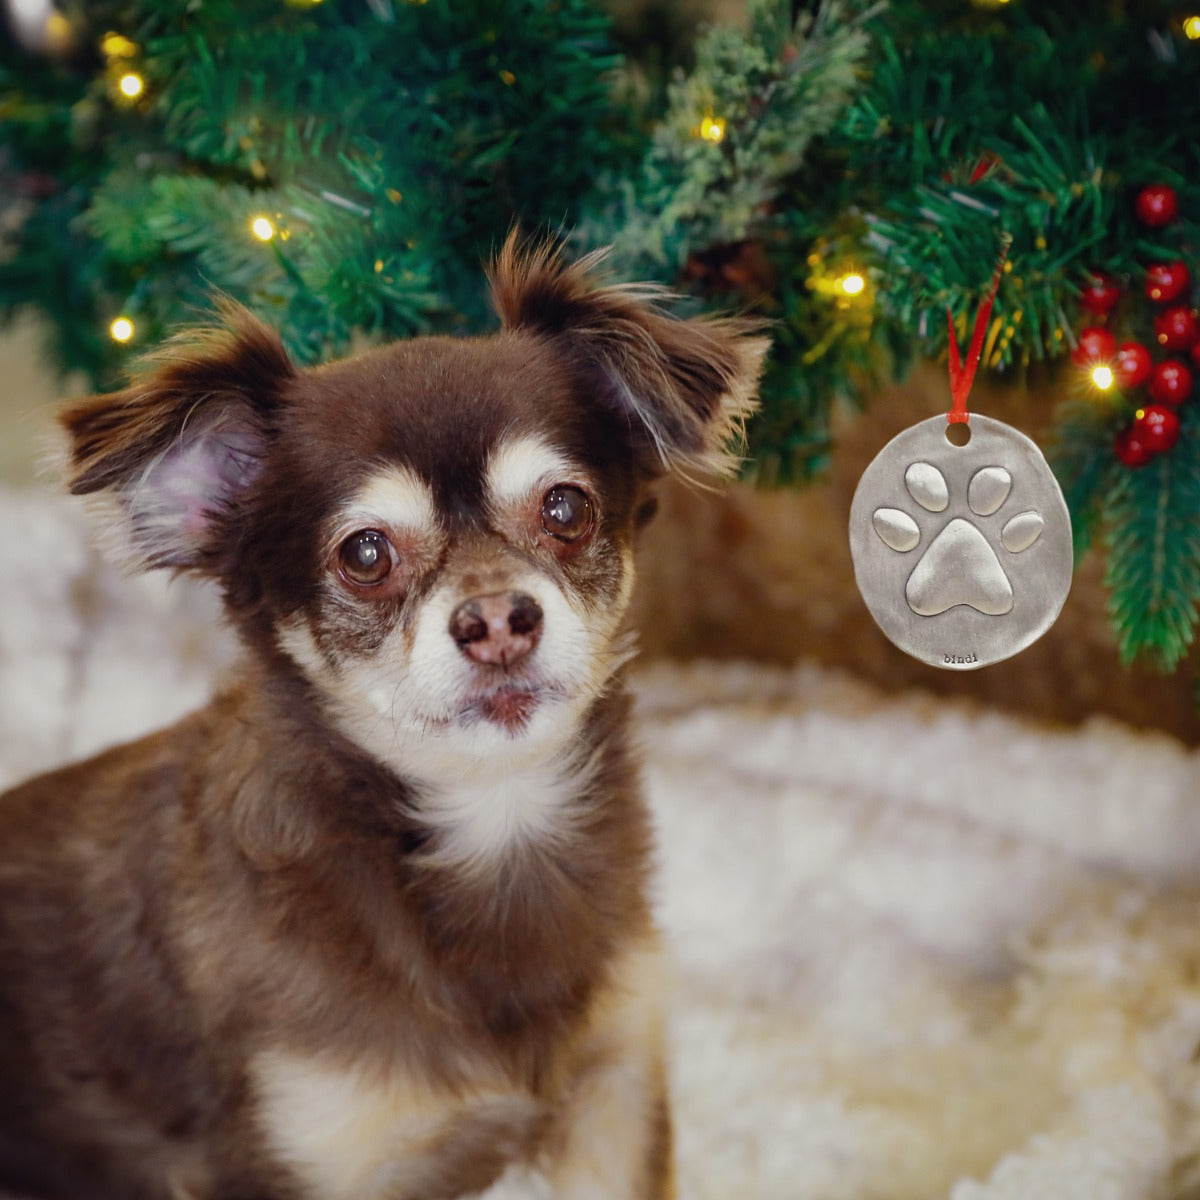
349,1135
480,820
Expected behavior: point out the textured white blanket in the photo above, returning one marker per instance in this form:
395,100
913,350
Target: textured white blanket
922,950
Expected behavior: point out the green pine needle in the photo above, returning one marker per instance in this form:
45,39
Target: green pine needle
1151,523
1081,454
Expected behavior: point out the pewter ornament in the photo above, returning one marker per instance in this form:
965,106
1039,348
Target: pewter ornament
962,553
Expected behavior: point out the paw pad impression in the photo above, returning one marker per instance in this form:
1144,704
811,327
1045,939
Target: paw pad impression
960,564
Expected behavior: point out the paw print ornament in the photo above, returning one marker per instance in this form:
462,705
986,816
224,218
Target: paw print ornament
962,552
959,533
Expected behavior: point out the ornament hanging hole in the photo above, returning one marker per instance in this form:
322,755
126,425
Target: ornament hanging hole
958,433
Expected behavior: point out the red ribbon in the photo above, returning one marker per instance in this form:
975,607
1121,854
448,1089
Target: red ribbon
963,375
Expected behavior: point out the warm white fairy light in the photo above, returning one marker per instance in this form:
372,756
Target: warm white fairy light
1102,377
131,85
114,45
262,228
121,330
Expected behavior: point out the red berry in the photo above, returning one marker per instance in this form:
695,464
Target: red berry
1156,205
1130,448
1095,345
1176,328
1167,281
1100,294
1157,427
1132,365
1170,382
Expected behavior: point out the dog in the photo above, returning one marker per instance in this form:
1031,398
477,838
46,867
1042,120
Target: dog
373,924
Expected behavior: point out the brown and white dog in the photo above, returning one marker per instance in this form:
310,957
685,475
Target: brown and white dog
373,925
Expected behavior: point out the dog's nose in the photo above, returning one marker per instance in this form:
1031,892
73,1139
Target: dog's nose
499,629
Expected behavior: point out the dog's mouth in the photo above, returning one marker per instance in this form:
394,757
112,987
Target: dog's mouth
511,707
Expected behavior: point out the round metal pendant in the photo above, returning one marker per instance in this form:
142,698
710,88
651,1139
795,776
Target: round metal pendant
962,552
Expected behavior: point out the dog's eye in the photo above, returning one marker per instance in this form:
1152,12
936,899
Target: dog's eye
365,557
566,512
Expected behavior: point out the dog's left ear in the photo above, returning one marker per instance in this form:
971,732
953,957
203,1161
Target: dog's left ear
686,386
181,444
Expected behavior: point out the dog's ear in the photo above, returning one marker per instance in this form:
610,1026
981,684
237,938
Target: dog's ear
686,386
180,444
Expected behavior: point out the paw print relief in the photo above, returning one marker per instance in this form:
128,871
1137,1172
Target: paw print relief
959,566
962,552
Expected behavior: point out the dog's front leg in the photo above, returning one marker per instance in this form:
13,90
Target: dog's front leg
612,1136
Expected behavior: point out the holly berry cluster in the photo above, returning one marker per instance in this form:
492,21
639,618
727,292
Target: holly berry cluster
1167,377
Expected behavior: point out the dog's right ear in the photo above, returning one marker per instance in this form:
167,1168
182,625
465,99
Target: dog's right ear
684,386
180,445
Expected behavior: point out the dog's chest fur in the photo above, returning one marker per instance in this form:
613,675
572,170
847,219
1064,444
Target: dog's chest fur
353,1133
485,1006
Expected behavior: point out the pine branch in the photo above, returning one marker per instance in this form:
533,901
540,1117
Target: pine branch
1081,455
1151,521
395,153
736,128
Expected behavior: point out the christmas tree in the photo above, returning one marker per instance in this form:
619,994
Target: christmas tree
848,171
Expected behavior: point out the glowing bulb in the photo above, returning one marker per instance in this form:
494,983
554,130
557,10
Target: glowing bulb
121,330
852,284
1191,28
113,45
131,85
712,129
262,229
1102,377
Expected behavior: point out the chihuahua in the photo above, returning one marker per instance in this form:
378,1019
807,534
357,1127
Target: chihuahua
374,924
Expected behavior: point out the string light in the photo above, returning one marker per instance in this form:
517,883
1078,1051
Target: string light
58,33
113,45
131,85
1102,377
118,50
121,330
837,278
1191,28
712,129
262,228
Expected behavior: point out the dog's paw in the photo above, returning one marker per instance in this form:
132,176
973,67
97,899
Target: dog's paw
960,564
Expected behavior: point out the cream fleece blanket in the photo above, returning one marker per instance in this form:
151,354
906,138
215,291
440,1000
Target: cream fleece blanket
922,951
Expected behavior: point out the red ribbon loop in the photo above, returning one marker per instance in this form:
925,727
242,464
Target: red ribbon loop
963,375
